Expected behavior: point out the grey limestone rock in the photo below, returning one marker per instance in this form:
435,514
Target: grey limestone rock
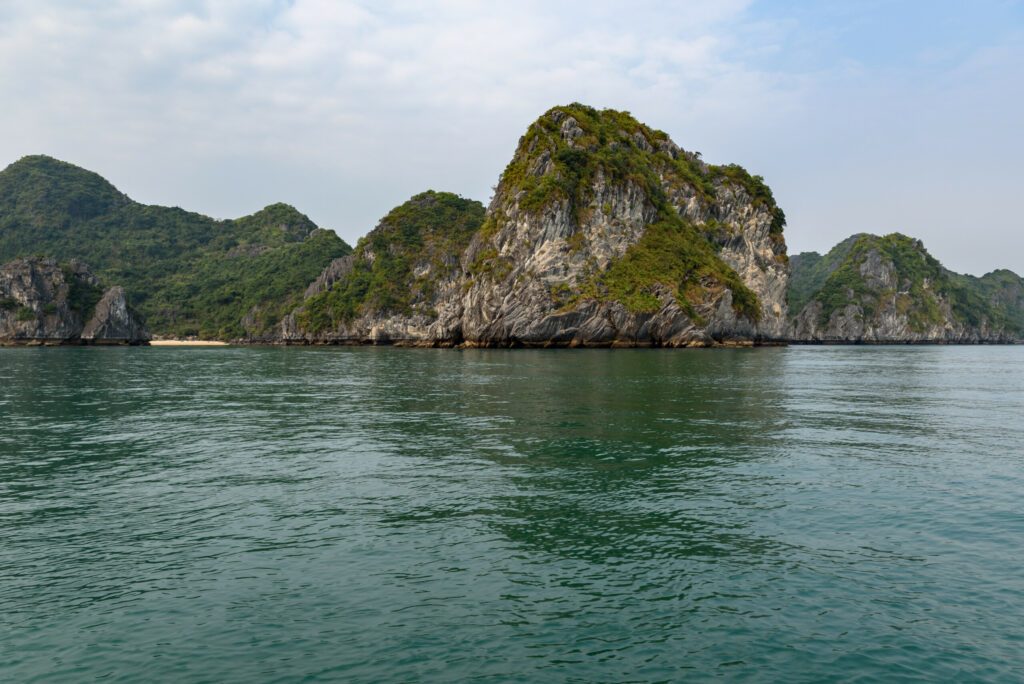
45,302
114,322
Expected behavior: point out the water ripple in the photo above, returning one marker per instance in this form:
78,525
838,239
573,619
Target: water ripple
365,515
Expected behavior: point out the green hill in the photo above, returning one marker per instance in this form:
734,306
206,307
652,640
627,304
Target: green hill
397,267
890,288
1003,292
186,273
808,272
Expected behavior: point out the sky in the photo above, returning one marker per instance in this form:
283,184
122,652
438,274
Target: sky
870,116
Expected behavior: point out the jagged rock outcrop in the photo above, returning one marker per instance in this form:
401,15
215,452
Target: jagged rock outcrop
890,290
44,302
113,321
602,232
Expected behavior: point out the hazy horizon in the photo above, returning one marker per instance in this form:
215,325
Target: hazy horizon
878,118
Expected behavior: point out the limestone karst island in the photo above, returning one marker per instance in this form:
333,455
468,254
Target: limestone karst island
602,232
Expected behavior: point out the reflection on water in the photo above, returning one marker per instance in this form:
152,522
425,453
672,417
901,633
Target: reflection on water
386,514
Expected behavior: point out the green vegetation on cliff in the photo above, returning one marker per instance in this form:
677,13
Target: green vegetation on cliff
249,288
396,268
83,296
1001,292
672,254
917,276
187,274
560,159
808,272
896,271
623,149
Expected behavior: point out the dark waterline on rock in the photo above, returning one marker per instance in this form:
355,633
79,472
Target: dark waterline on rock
374,514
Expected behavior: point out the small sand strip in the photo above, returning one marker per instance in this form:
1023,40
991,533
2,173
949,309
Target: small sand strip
187,343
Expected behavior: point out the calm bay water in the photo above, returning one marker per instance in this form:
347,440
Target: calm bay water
375,514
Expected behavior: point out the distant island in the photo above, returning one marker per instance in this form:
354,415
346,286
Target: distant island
602,233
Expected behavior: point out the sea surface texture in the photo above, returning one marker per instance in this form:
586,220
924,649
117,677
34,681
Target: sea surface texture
373,514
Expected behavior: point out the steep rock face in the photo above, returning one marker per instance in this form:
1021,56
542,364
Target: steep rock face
113,321
601,232
890,290
43,302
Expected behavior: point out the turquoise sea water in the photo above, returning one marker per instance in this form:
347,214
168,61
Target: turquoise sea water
373,514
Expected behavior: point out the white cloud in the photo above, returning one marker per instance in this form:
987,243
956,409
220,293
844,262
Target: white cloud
347,107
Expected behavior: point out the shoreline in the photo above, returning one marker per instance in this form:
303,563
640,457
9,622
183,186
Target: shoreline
724,344
450,345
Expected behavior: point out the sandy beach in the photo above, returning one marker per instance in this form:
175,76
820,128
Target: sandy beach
187,343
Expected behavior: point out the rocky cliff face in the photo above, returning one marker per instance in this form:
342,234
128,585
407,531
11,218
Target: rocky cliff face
601,232
44,302
888,289
113,321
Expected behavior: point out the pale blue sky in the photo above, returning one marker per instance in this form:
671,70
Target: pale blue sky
862,116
